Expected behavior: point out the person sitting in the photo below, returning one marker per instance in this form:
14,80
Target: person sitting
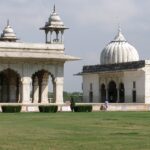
104,106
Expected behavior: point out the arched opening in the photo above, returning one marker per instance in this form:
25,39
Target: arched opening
103,93
121,93
90,96
112,92
9,86
134,96
50,90
40,90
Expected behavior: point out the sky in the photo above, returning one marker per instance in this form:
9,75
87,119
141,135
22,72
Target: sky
93,24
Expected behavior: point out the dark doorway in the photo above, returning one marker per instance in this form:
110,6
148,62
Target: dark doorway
121,93
91,97
134,96
103,93
112,92
9,86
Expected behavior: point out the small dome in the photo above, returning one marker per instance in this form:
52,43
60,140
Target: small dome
118,51
8,34
8,29
54,19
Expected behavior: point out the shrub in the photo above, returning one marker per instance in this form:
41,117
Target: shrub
47,109
83,108
11,109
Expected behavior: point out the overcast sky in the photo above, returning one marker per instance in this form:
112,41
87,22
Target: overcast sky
92,23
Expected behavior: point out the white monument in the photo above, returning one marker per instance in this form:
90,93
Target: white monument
25,68
120,77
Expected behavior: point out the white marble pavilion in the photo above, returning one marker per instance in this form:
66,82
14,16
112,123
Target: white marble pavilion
121,77
25,68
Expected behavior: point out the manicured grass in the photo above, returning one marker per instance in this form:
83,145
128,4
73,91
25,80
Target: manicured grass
75,131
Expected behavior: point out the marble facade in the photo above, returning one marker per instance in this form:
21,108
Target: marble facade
27,68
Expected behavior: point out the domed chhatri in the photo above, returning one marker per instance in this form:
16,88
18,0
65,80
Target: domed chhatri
54,25
8,34
118,51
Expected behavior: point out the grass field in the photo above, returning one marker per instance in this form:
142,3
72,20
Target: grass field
75,131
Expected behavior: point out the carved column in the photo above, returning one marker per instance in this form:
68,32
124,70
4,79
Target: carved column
107,88
51,32
44,89
54,92
59,82
62,37
57,38
26,82
46,39
118,98
35,90
107,98
20,92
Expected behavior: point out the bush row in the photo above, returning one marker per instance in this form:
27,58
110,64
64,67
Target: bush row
15,109
83,108
11,109
47,109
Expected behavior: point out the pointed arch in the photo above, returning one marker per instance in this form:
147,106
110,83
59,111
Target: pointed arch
112,92
9,86
40,84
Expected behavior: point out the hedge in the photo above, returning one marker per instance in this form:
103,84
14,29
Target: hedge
83,108
52,109
11,109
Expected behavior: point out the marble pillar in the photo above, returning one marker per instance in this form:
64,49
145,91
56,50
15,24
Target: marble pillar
26,82
118,95
44,90
59,82
107,96
20,92
35,90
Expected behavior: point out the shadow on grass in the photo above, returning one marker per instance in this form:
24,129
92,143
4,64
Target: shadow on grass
126,133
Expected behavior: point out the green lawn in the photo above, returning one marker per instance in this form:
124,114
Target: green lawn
75,131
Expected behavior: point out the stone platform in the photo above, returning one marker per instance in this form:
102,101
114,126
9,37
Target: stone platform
96,106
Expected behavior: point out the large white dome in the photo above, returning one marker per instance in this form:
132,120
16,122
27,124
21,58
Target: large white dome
118,51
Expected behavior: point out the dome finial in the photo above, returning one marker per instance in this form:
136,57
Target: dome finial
7,22
54,9
119,28
119,37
